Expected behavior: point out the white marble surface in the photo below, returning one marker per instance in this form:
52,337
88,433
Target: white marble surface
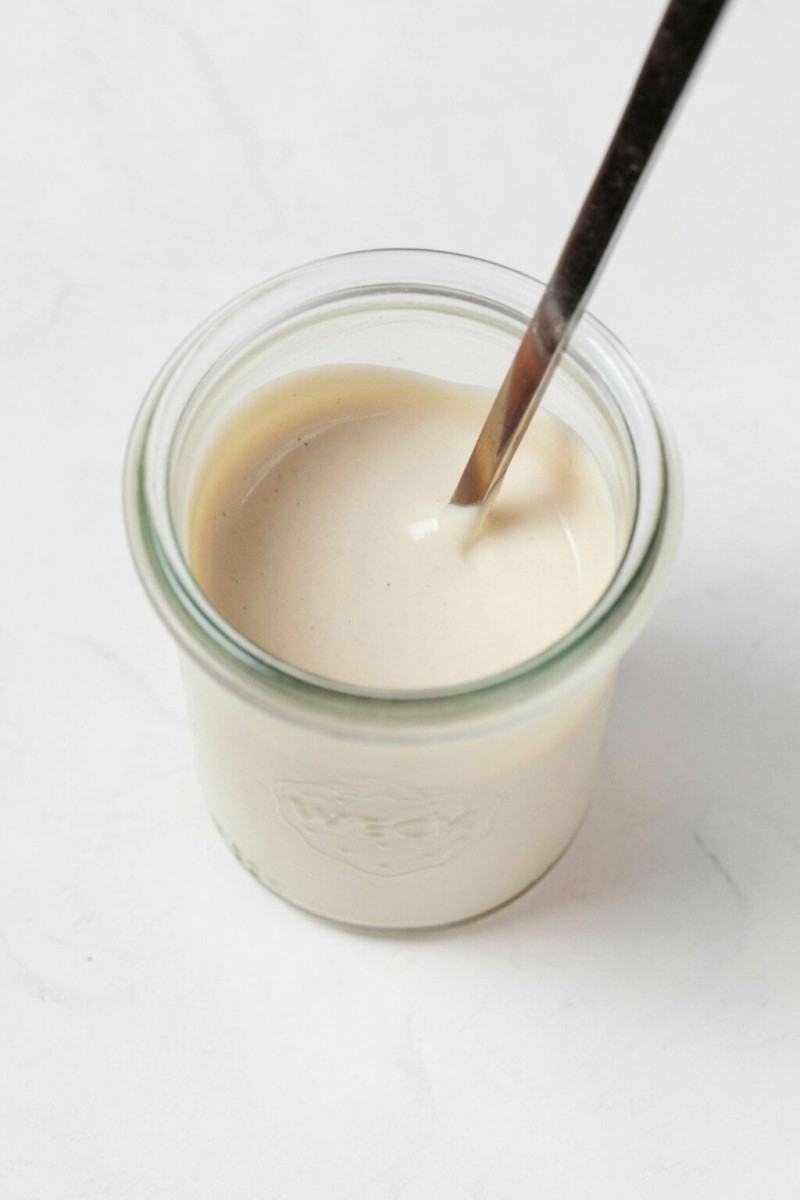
631,1027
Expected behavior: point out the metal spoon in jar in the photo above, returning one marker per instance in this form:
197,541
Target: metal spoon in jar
671,59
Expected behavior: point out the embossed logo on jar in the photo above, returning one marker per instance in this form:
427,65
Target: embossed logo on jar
384,828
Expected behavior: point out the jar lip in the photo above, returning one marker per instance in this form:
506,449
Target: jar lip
259,676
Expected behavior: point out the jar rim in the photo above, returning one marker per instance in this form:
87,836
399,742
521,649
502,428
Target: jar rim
601,636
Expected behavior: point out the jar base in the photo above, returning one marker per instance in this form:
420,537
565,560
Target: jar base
378,930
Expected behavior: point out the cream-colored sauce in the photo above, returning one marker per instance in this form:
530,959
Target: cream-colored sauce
320,529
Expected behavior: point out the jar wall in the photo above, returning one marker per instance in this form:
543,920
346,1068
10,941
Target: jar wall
395,834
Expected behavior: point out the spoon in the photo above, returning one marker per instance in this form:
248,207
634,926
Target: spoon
671,59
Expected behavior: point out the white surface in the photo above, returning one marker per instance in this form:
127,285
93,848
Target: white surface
630,1027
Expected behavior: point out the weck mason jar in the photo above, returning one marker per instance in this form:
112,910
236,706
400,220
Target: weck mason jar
396,809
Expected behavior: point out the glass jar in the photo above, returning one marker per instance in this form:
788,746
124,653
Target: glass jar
383,809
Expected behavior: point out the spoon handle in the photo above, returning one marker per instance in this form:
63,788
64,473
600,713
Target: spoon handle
673,55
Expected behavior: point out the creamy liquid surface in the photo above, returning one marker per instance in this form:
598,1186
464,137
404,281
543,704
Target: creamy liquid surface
317,531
